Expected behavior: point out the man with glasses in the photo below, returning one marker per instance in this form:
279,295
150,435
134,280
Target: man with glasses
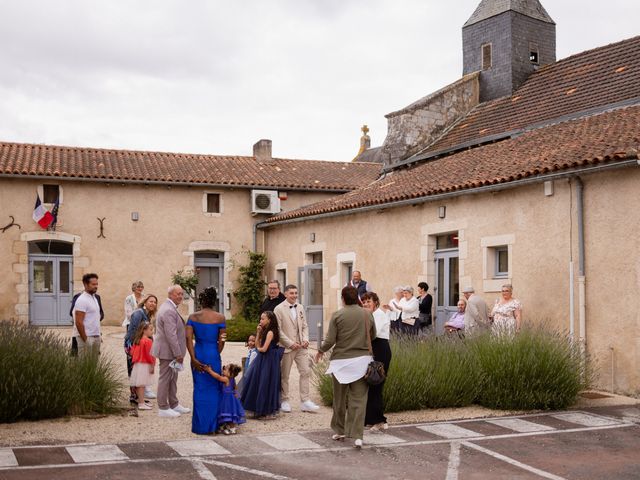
274,297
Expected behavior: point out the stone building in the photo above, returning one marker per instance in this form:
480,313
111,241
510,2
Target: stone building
524,171
132,215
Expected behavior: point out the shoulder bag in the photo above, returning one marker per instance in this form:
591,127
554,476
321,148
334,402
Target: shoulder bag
375,374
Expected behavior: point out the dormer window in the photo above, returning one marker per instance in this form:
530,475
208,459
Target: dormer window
486,56
534,55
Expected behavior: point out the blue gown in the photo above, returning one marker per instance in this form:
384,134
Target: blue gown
207,391
261,385
231,410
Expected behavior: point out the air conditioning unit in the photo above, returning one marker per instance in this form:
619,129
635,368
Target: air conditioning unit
265,201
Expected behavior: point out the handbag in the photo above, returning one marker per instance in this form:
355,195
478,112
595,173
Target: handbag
375,374
409,321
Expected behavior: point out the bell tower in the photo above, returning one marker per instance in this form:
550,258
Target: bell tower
507,40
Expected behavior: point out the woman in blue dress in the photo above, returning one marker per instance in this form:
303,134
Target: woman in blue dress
208,329
261,386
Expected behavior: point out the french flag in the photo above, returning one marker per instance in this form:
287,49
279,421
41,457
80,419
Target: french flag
41,215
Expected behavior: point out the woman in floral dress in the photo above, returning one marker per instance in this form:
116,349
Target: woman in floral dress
507,312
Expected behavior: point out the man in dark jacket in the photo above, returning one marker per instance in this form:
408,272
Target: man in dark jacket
274,297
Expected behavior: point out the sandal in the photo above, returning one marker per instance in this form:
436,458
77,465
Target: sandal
337,437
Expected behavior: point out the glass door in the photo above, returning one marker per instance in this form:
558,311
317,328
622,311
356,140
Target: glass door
50,290
447,287
310,291
209,267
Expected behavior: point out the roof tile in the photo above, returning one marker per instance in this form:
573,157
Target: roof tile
75,162
608,137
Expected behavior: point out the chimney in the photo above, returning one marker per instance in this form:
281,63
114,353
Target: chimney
262,150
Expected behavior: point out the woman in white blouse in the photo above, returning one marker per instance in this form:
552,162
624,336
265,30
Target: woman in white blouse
393,311
381,353
409,306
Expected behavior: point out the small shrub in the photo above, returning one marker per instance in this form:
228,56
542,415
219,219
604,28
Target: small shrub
98,386
238,329
430,373
535,369
40,379
323,382
250,291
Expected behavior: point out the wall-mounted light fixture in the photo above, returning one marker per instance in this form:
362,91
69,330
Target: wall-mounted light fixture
135,216
442,211
312,237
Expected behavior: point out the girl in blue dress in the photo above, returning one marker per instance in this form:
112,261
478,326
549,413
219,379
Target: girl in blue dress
261,385
231,414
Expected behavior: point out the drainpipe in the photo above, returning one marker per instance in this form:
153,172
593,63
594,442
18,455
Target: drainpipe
581,272
256,226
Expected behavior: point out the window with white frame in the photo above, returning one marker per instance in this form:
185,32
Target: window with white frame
212,203
346,272
50,193
281,276
497,260
501,261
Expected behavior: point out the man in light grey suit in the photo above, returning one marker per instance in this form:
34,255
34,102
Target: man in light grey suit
476,315
169,345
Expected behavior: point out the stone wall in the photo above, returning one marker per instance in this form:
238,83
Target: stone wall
172,227
413,128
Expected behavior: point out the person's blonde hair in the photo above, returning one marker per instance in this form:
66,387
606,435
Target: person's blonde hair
144,301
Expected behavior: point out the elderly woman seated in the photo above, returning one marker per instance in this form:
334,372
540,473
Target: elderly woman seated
455,325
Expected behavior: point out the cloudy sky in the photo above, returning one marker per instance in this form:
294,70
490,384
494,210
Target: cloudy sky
213,76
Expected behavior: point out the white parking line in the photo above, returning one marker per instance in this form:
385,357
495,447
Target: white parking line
513,462
585,419
96,453
7,458
203,471
195,448
449,430
288,441
519,425
240,468
454,462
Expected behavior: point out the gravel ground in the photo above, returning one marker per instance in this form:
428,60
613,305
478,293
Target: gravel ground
122,428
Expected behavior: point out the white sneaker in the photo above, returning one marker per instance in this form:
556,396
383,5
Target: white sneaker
168,413
285,407
358,444
180,409
148,393
309,406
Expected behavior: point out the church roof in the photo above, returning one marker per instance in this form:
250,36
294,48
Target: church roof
58,162
491,8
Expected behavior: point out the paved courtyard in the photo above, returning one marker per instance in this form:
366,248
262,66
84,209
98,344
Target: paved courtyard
593,443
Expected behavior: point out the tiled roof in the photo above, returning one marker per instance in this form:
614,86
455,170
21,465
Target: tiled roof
139,166
594,78
491,8
608,137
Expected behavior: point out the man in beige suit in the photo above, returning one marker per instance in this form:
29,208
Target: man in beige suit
476,315
294,337
169,346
